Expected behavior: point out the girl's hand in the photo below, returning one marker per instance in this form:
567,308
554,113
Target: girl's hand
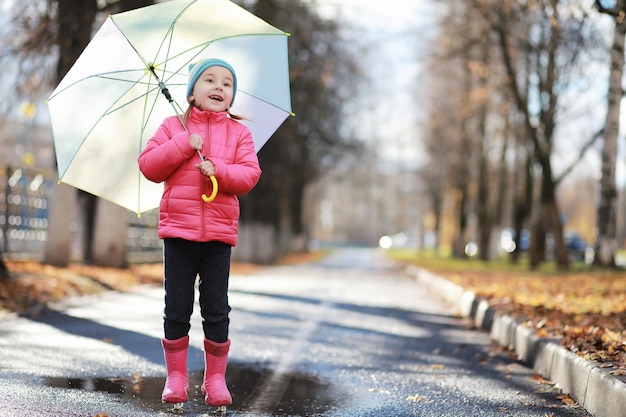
206,167
196,141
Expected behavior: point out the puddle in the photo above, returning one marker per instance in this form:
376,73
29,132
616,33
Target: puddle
300,394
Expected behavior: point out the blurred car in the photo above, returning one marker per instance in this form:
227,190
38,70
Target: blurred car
577,248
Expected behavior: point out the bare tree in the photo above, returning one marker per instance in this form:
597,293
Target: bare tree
515,62
449,137
323,75
465,91
606,244
548,55
58,31
103,240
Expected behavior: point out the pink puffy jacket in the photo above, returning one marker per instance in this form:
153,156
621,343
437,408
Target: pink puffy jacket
169,157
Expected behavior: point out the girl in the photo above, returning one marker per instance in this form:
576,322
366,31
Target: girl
198,236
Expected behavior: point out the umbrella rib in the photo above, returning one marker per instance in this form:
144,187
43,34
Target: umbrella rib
169,36
104,75
112,109
151,66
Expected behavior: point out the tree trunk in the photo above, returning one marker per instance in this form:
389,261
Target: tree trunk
523,200
458,246
551,213
437,210
537,247
75,21
540,131
61,215
503,177
87,211
4,246
463,169
109,235
606,244
483,209
4,271
483,198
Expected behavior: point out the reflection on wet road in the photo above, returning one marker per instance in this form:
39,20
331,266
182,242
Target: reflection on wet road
304,395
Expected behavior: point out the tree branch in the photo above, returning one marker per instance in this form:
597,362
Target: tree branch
581,154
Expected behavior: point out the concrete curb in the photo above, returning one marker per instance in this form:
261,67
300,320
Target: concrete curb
601,394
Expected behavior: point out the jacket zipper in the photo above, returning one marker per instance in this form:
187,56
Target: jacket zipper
204,181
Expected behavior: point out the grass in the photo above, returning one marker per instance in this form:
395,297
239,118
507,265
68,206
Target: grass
582,289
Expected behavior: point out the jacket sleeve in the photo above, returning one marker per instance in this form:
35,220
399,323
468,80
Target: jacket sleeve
164,153
243,174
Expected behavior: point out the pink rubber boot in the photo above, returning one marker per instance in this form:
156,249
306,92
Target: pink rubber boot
214,386
177,383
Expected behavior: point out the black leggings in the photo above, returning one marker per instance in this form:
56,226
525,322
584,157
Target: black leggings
184,260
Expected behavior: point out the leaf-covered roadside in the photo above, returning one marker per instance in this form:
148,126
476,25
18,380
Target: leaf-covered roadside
585,310
33,287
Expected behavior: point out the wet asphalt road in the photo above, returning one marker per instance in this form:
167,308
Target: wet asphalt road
351,336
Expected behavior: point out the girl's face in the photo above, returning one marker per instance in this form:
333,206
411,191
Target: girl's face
213,90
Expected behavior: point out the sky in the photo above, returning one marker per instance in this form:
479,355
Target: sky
389,33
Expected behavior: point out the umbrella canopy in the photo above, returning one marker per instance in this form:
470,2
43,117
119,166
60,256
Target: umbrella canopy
110,102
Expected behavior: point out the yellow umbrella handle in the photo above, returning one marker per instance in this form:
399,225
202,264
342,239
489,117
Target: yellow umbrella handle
208,199
205,198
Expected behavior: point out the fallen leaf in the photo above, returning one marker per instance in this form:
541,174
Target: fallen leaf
416,398
541,380
566,399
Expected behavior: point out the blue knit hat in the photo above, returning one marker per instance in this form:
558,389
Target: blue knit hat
195,70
